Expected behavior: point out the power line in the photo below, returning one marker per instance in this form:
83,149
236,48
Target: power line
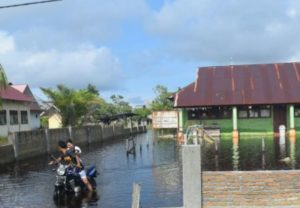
28,3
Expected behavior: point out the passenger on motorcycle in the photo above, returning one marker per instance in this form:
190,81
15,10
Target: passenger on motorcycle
80,168
68,156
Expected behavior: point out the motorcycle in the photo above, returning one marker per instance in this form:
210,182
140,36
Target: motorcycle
68,181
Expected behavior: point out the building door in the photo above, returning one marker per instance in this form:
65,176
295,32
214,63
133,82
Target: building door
279,117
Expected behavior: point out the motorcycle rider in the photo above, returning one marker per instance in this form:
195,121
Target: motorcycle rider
68,156
79,166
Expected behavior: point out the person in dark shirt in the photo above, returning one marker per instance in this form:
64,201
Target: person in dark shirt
68,156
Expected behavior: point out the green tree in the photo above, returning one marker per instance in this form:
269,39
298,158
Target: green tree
162,100
141,113
3,78
120,105
74,105
92,89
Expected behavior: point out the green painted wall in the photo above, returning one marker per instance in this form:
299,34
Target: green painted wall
297,123
255,125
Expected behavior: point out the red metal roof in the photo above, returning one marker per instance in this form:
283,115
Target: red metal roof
10,93
242,84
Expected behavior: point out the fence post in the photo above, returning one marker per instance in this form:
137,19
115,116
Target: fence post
114,130
12,137
191,162
70,132
136,196
48,145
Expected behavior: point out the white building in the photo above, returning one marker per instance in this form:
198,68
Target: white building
17,110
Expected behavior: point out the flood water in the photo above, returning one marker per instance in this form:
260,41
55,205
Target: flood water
156,166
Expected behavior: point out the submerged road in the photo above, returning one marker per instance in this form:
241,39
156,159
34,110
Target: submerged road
156,167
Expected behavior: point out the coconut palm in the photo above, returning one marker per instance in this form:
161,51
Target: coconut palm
3,78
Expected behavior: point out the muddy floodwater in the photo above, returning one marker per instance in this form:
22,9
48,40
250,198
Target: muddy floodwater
156,166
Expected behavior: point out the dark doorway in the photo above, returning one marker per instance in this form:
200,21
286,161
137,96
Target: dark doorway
279,117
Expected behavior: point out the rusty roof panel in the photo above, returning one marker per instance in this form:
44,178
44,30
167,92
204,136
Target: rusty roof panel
243,84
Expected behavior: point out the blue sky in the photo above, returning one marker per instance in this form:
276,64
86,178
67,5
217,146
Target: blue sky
129,47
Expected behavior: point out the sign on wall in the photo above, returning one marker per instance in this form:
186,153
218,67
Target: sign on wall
165,120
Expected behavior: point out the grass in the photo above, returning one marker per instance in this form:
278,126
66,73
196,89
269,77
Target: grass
3,140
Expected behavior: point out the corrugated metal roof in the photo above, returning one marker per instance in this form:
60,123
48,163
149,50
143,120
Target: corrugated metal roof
10,93
242,84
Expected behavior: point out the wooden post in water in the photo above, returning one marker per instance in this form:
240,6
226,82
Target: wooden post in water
136,196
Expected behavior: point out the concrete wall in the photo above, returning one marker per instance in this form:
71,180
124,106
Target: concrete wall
251,188
7,154
80,135
32,143
55,135
29,143
107,132
119,130
95,134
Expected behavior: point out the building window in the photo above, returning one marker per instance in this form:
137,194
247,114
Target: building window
297,110
254,112
209,113
265,113
24,117
3,117
243,114
13,116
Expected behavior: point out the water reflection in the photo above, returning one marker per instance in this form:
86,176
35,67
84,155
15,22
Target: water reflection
85,201
235,154
263,154
282,147
293,152
217,144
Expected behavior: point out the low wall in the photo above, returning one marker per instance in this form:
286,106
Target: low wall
29,143
32,143
251,188
55,135
80,135
7,154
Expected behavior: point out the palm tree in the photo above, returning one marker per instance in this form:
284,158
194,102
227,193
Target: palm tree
3,78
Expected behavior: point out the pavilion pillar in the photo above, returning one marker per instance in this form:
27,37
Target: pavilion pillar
180,135
235,133
292,121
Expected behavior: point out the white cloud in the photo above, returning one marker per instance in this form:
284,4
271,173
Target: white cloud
70,21
75,67
214,31
7,43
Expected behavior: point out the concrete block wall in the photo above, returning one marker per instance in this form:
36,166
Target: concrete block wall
30,143
118,130
251,188
56,135
141,129
107,132
94,133
7,154
80,135
127,131
37,142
